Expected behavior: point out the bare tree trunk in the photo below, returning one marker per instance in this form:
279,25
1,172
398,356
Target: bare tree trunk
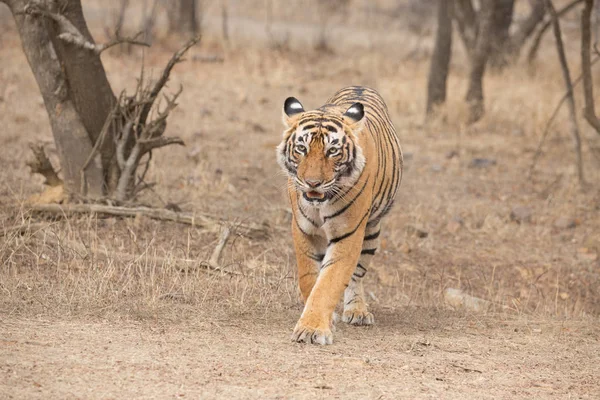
506,47
569,86
87,83
589,112
500,46
183,16
466,21
69,129
478,61
440,59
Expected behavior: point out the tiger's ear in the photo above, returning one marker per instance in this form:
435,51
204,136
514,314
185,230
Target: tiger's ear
292,109
354,116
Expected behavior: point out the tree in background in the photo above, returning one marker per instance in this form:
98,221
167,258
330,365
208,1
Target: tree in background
486,35
101,139
440,59
183,16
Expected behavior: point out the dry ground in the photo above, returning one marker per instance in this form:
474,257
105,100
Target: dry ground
74,325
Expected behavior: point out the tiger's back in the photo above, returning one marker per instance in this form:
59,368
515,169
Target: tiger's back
386,164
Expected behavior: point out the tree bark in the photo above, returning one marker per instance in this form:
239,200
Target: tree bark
183,16
478,61
68,128
466,21
440,60
500,46
589,112
87,83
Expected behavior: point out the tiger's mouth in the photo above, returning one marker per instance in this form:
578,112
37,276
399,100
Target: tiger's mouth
315,197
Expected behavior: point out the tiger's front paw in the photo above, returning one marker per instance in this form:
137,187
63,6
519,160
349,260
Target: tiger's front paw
305,333
358,317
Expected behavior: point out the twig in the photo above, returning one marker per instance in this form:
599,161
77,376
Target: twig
551,120
165,76
538,38
216,254
41,165
254,231
70,34
101,137
589,111
569,86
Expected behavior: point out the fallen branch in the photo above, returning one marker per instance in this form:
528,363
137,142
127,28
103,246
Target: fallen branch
216,255
254,231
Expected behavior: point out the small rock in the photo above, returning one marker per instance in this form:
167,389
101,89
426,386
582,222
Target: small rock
436,168
482,162
451,154
417,231
454,224
521,214
563,295
258,128
458,299
565,223
173,207
194,153
405,248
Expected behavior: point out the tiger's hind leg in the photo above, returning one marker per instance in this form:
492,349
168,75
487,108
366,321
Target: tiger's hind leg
355,307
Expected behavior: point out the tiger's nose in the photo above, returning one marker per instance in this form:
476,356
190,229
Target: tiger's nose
313,183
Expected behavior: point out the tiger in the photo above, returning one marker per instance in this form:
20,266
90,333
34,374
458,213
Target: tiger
344,166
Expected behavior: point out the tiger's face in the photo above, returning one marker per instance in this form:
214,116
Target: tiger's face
320,150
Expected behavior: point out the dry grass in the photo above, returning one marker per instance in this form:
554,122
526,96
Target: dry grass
229,117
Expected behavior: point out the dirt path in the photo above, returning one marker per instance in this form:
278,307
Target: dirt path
410,354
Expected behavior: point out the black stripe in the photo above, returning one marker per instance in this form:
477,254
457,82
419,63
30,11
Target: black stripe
316,257
299,227
352,232
352,300
343,209
304,215
368,251
360,275
328,263
373,235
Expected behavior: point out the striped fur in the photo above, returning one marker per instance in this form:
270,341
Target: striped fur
344,167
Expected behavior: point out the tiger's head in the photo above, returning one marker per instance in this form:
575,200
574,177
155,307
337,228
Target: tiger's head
320,150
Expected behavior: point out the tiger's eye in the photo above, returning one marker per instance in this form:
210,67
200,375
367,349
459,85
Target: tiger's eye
301,148
332,151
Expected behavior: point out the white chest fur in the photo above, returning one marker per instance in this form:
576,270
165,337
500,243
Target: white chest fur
310,218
